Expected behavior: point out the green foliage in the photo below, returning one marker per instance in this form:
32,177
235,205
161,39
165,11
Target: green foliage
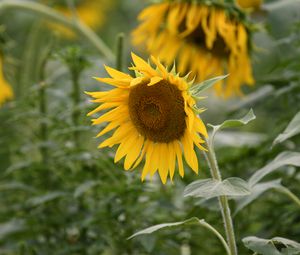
60,195
274,246
209,188
291,130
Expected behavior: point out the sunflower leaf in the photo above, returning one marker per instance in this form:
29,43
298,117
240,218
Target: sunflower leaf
233,123
256,191
283,159
36,201
157,227
291,130
198,88
11,227
16,186
209,188
274,246
85,187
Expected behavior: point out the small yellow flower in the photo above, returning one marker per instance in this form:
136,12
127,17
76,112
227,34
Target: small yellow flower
205,39
6,91
91,13
154,118
247,4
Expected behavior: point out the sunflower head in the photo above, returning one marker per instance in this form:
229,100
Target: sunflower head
91,13
209,38
153,117
6,92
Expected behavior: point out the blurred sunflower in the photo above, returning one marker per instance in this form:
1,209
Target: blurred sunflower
207,40
247,4
154,117
91,13
6,91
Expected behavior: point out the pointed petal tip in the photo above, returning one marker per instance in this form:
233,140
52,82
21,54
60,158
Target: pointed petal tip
88,93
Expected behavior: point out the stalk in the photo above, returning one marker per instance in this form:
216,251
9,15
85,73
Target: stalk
76,102
55,16
223,200
43,126
43,109
290,194
120,52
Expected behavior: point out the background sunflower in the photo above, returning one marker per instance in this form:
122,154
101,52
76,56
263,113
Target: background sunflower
207,39
6,91
91,13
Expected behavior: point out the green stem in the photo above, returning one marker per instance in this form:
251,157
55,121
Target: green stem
43,108
76,102
55,16
120,52
290,194
214,231
43,126
223,200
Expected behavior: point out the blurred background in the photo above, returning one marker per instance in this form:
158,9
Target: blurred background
61,195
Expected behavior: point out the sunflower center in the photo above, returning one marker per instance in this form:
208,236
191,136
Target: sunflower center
158,111
219,48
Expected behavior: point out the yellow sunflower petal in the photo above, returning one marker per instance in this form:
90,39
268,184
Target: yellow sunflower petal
179,158
134,152
154,80
120,83
162,149
143,65
189,153
146,169
117,74
171,159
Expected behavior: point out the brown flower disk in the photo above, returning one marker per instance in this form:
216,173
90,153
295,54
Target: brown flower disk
158,111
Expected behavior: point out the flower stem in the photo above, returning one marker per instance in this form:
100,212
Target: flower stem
214,231
290,194
43,108
76,102
223,200
55,16
43,125
120,52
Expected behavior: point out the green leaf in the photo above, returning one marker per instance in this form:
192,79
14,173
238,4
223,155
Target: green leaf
209,188
282,15
11,227
283,159
46,198
18,166
190,221
84,187
155,228
274,246
256,191
291,130
198,88
16,186
233,123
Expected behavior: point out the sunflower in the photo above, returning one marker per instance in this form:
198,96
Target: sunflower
91,13
252,4
207,39
6,92
154,117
